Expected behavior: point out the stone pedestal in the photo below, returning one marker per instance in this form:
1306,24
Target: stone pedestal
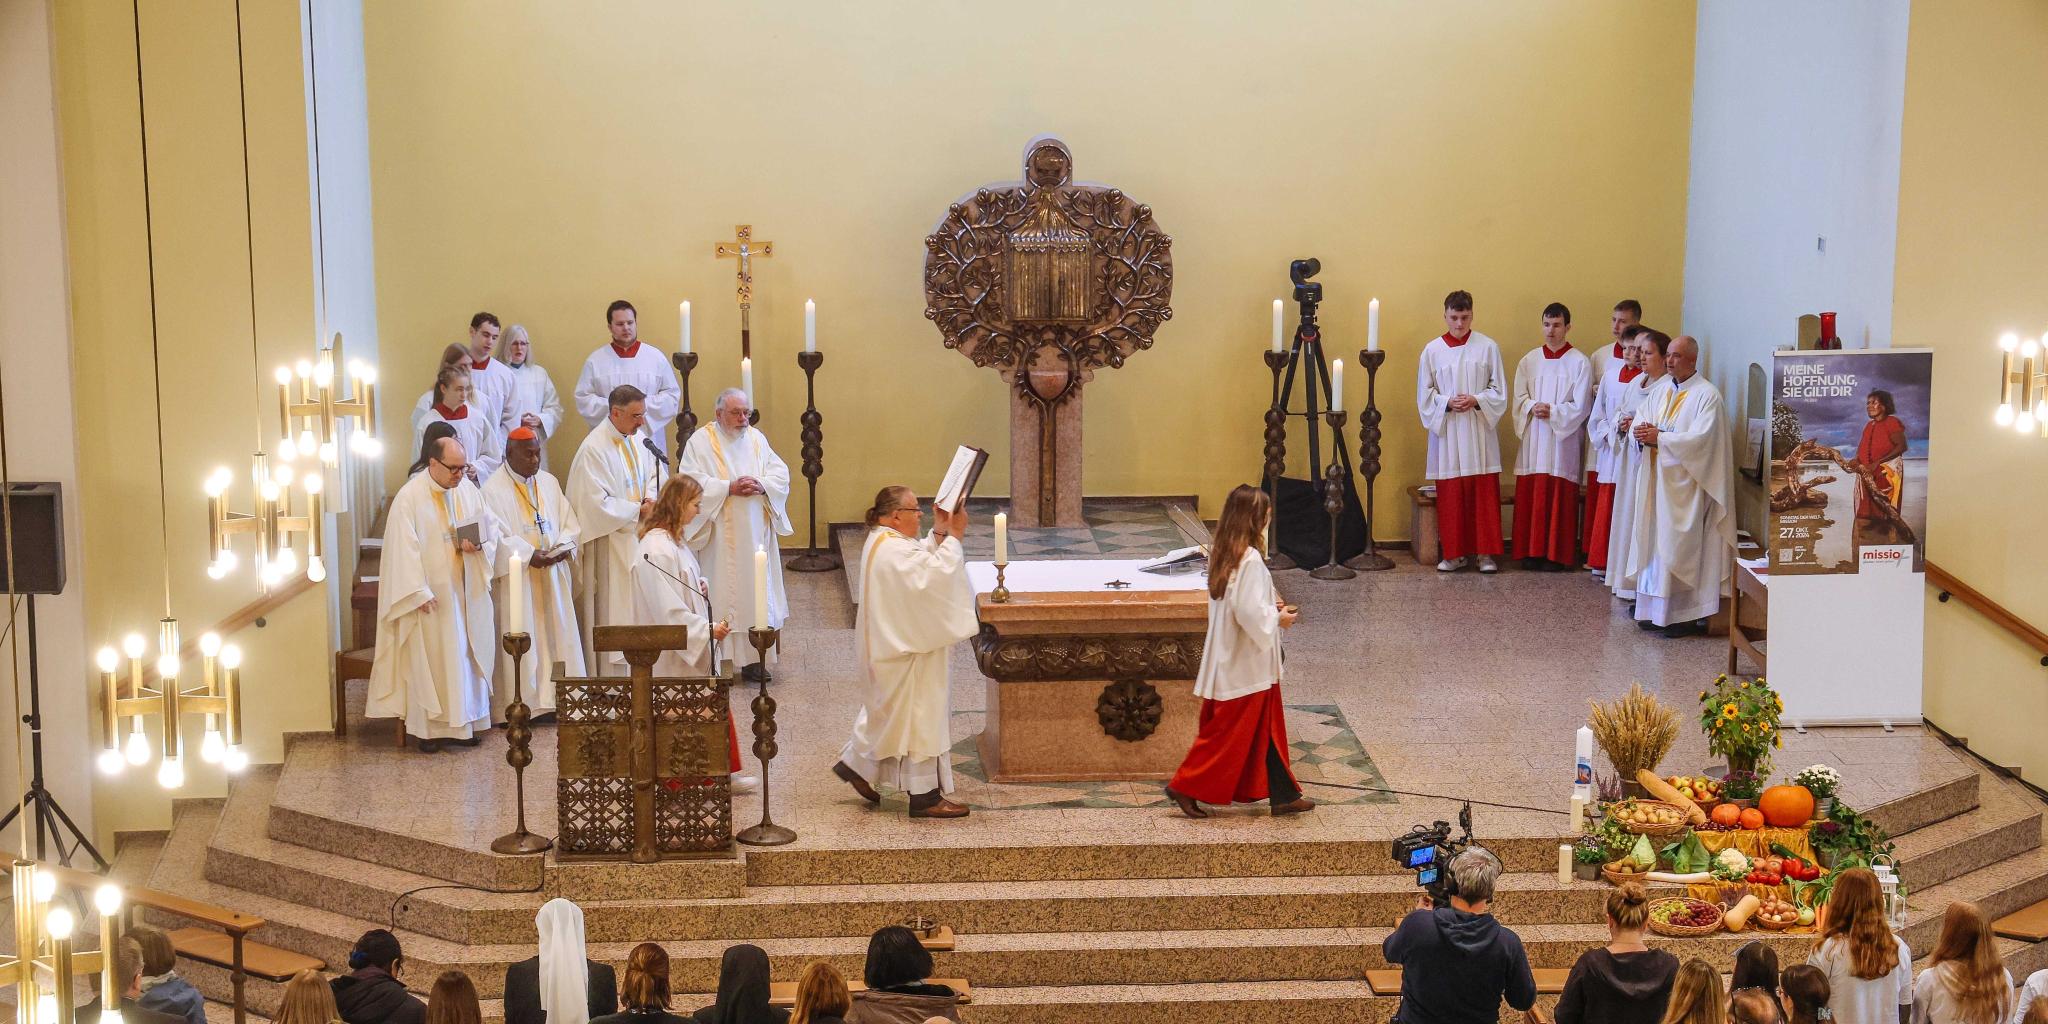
1025,469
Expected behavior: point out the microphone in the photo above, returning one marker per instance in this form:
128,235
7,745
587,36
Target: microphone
660,461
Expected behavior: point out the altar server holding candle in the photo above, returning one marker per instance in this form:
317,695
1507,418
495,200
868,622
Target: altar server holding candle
1553,396
532,574
1240,752
1461,392
746,499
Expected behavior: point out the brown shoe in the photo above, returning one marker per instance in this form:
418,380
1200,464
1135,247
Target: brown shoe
1300,804
1188,805
860,785
935,805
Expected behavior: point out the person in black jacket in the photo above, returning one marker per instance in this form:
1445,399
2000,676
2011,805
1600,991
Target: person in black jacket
372,993
1458,963
742,991
1625,981
586,983
644,995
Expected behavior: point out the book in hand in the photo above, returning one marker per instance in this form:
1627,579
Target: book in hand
961,476
471,531
1179,562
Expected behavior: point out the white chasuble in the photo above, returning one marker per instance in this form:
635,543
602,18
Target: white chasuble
611,475
666,592
641,365
535,515
1554,446
730,527
916,603
1628,490
1461,443
435,632
1685,533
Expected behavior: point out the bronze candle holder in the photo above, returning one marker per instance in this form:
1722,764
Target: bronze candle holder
767,833
812,560
519,752
1333,503
1276,462
686,420
1001,594
1370,560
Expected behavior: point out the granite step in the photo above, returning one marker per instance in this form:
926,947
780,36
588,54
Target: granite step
1297,1002
2004,823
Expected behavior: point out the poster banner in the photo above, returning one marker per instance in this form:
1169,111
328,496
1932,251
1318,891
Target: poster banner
1848,469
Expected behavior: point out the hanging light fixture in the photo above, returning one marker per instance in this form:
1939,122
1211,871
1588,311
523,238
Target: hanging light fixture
2025,377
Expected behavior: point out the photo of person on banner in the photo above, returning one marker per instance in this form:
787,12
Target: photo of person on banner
1880,467
1848,468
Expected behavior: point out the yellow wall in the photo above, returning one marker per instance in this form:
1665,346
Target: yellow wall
539,160
1971,265
211,395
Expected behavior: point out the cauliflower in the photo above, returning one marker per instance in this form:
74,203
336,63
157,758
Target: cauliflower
1733,860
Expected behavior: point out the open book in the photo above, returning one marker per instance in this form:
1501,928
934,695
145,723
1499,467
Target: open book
960,478
1179,562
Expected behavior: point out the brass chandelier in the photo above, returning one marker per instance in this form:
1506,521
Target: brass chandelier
2027,381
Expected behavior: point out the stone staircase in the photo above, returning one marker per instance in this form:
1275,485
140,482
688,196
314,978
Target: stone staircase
1267,930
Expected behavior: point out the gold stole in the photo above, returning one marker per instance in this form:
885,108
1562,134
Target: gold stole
442,501
632,465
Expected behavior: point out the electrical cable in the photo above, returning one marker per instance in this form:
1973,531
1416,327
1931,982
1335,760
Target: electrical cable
155,356
1436,796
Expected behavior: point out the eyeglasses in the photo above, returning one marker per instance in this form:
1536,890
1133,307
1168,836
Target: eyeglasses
448,467
912,508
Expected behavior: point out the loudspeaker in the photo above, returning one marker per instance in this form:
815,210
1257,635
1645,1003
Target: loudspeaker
37,557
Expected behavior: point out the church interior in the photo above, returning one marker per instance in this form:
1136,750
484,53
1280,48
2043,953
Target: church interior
910,683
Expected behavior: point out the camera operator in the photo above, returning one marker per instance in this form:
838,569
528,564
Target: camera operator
1457,963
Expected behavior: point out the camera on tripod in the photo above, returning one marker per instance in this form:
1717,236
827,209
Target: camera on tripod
1306,292
1427,850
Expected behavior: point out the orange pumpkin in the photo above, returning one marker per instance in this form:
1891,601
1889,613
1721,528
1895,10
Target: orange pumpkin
1786,806
1727,814
1752,818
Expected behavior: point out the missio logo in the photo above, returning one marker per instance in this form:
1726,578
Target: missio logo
1882,554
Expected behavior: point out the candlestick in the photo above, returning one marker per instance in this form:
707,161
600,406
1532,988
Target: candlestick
1279,324
1370,560
519,749
810,326
1372,326
761,585
1001,594
747,378
1336,385
812,560
1333,503
686,420
767,833
1002,538
1276,462
686,325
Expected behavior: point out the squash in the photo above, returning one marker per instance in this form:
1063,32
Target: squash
1745,908
1752,818
1727,814
1668,793
1786,806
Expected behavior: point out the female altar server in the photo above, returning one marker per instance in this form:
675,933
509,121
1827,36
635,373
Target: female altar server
1240,754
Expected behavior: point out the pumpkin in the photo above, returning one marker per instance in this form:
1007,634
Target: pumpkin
1786,806
1752,818
1727,814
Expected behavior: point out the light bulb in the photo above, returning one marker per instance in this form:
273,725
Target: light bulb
138,746
2003,417
355,369
209,644
372,448
269,491
134,645
2029,348
270,575
323,374
284,375
45,887
2024,423
287,449
228,560
2009,341
283,474
110,1016
108,659
59,922
369,375
107,899
230,657
313,482
304,368
110,762
170,774
46,1009
236,759
307,442
287,562
316,569
213,486
167,666
215,571
212,747
328,453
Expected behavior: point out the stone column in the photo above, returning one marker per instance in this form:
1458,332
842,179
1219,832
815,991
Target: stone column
1026,465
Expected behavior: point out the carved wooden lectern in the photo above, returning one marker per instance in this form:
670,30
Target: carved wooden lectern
1047,281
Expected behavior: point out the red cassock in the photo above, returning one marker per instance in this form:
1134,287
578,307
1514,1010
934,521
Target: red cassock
1546,518
1599,520
732,737
1468,515
1227,763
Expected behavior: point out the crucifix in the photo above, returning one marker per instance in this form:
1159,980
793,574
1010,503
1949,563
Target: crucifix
745,249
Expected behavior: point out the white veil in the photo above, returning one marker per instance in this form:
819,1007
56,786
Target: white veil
564,973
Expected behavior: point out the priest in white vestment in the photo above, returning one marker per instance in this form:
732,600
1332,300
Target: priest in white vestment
540,538
746,499
626,360
612,482
1612,394
1553,397
1628,490
534,403
436,638
1462,391
1685,551
915,604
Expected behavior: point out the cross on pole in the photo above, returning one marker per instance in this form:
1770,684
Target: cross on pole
744,249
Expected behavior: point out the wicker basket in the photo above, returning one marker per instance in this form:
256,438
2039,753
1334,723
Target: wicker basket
1684,931
1772,926
1616,878
1657,830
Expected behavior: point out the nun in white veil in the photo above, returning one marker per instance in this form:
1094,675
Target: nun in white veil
561,985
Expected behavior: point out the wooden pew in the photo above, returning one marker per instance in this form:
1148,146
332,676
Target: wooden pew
1387,982
783,993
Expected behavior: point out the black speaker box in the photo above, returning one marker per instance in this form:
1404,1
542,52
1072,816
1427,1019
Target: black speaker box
36,557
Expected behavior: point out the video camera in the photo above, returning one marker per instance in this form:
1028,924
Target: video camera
1306,292
1427,850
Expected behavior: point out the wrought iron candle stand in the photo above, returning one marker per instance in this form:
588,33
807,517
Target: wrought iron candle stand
812,560
767,833
686,420
1370,560
1333,503
1276,463
519,752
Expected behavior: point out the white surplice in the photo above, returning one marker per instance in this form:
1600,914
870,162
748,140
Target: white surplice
1461,443
1241,655
433,667
1610,396
1554,446
484,405
666,592
915,604
729,528
474,428
533,393
536,517
1628,463
490,382
641,365
1681,552
611,475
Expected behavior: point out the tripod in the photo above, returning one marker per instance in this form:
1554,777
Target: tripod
48,813
1305,355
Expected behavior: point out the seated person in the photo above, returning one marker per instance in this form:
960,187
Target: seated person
896,992
573,978
162,989
128,968
742,991
371,993
643,994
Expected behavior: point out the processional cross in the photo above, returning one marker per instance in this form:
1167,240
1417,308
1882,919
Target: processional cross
744,249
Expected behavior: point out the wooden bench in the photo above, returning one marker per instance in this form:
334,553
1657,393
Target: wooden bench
1387,981
1426,546
267,962
783,993
2028,924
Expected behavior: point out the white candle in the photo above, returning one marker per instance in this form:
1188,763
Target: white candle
810,326
686,326
515,599
747,378
1578,813
1002,538
1276,325
761,587
1336,385
1582,778
1564,863
1372,326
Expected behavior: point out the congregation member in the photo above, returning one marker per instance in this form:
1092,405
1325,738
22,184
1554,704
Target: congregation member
821,996
1752,1006
559,984
1625,981
127,973
1685,527
612,483
371,992
644,996
746,498
1869,969
163,989
1696,997
1614,398
669,589
453,1000
1240,748
539,541
1461,392
479,436
742,990
436,643
1803,992
899,989
2032,1000
1964,980
1621,580
453,355
1553,397
627,362
533,403
916,603
1458,962
1756,966
307,999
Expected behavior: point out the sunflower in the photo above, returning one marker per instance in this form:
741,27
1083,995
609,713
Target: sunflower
1780,701
1744,685
1745,727
1778,741
1703,696
1729,710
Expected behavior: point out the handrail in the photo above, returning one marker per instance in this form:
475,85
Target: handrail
1948,584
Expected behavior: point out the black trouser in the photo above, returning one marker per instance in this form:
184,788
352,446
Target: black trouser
1280,787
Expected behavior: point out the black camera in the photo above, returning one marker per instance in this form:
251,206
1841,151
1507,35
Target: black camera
1427,850
1306,292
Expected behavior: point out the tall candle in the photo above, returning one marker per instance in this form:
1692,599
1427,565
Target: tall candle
686,326
1564,863
1578,813
1582,778
1372,326
761,587
810,326
1002,538
1276,325
515,598
1336,385
747,378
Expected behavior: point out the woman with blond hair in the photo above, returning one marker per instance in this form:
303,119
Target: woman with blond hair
1625,981
644,996
453,1000
473,427
307,999
821,996
1240,748
1696,996
1869,969
669,590
1965,980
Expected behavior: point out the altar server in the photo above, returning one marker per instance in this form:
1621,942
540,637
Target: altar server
1553,396
473,427
534,404
540,538
1627,313
612,483
915,604
1612,396
1461,392
746,499
668,590
1628,502
1240,752
490,380
1684,550
423,407
435,635
626,361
